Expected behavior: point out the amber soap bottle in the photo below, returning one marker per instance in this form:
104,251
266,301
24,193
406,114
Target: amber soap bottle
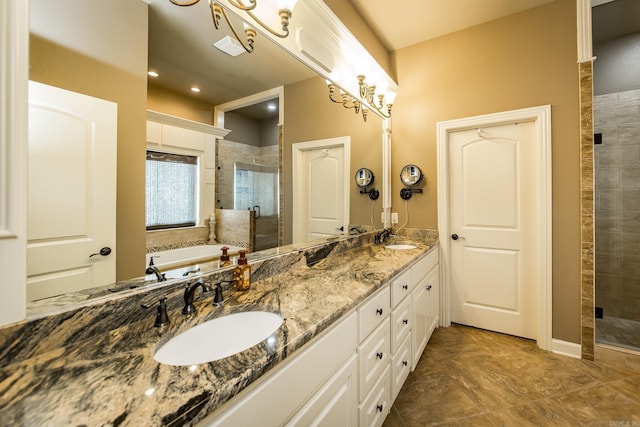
224,258
242,274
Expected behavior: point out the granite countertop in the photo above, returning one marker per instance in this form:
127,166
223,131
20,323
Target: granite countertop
112,378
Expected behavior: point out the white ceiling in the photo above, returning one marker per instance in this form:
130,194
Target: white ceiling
406,22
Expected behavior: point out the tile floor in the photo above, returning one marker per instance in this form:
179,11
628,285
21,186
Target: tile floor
472,377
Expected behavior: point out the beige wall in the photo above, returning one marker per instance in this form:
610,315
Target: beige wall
53,64
524,60
309,115
167,102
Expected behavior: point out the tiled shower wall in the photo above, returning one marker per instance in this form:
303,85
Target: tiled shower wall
617,204
228,153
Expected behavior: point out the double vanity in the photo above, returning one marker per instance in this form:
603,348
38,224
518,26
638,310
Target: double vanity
351,321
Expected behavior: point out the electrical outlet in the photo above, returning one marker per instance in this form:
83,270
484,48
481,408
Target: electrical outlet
394,217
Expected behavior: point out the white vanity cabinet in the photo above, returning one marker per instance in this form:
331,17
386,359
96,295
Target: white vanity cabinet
351,374
425,303
374,356
307,383
401,322
335,404
415,304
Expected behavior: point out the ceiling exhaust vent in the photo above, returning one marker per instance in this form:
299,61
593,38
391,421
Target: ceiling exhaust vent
230,46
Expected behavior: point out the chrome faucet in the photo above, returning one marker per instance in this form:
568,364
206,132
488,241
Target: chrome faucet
189,293
152,269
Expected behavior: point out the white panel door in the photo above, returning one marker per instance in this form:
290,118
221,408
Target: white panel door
71,191
323,175
493,225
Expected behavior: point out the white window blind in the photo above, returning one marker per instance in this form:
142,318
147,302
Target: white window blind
171,190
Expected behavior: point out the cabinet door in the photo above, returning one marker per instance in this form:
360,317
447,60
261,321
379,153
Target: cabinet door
335,404
419,307
373,358
433,305
400,368
373,312
400,324
400,287
277,397
376,406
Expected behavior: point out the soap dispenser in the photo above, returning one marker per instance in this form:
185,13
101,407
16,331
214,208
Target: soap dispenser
242,273
224,258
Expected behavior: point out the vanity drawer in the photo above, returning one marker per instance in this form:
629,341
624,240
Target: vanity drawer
400,287
372,312
424,266
373,357
400,368
376,406
400,324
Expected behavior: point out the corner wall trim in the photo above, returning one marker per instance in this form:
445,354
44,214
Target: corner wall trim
566,348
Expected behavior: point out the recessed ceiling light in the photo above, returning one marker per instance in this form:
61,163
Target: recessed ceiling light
153,74
195,89
230,46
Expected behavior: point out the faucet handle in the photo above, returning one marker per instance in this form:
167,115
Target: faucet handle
218,299
161,316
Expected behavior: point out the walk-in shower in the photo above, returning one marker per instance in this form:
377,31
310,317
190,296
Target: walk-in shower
616,118
617,204
256,188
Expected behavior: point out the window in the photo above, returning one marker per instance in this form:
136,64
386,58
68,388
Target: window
171,190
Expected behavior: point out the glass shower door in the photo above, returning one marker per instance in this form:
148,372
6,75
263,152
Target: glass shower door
256,189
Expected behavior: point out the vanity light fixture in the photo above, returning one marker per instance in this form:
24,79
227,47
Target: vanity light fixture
345,99
217,12
153,74
368,93
382,102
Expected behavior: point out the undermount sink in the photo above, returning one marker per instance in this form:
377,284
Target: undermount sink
218,338
401,246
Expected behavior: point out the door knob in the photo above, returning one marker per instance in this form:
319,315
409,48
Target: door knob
103,252
456,237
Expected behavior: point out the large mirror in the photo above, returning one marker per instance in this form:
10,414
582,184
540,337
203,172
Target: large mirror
107,64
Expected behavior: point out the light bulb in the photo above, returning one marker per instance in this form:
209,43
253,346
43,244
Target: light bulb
390,97
287,4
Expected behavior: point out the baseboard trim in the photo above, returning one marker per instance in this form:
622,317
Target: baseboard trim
566,348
